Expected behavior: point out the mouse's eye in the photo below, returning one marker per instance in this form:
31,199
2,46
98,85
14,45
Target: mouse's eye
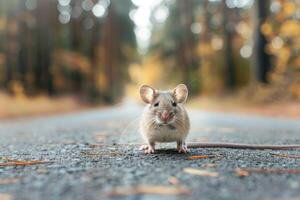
174,104
156,104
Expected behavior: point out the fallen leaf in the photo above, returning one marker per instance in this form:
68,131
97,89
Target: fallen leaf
173,180
101,153
241,172
100,137
42,171
97,145
6,159
209,165
148,189
12,162
200,172
196,157
6,181
272,170
5,196
286,156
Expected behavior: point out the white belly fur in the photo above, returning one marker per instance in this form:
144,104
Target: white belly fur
165,134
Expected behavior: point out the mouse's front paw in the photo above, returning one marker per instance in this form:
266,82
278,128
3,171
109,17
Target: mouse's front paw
182,149
147,149
144,147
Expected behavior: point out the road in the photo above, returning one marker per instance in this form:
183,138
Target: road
87,160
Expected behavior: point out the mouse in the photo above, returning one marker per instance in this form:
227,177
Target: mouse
164,118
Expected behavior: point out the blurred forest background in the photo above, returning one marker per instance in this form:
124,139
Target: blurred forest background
98,51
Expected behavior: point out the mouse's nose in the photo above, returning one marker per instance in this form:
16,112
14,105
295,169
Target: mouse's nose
165,115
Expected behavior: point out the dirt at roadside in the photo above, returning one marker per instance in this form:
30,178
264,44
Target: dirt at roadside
22,106
282,109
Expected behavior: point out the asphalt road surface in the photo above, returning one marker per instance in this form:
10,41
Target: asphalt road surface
86,159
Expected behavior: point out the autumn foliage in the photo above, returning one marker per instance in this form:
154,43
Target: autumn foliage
94,49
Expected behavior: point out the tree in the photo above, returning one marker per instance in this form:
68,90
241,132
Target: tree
177,43
117,43
186,44
43,73
11,47
52,47
24,46
261,58
228,49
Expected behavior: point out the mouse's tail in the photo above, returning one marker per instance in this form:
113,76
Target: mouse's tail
241,146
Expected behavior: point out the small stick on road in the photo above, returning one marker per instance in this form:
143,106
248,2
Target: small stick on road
271,170
12,162
285,156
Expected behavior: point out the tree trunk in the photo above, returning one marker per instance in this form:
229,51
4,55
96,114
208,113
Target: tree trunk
186,49
111,57
12,47
107,41
261,58
23,47
228,50
76,38
94,91
44,47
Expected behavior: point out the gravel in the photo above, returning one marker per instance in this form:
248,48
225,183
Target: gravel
85,163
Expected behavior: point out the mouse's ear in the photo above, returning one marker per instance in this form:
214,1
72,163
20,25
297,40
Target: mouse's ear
180,93
147,93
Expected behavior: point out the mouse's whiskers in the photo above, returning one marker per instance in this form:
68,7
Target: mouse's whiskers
130,129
